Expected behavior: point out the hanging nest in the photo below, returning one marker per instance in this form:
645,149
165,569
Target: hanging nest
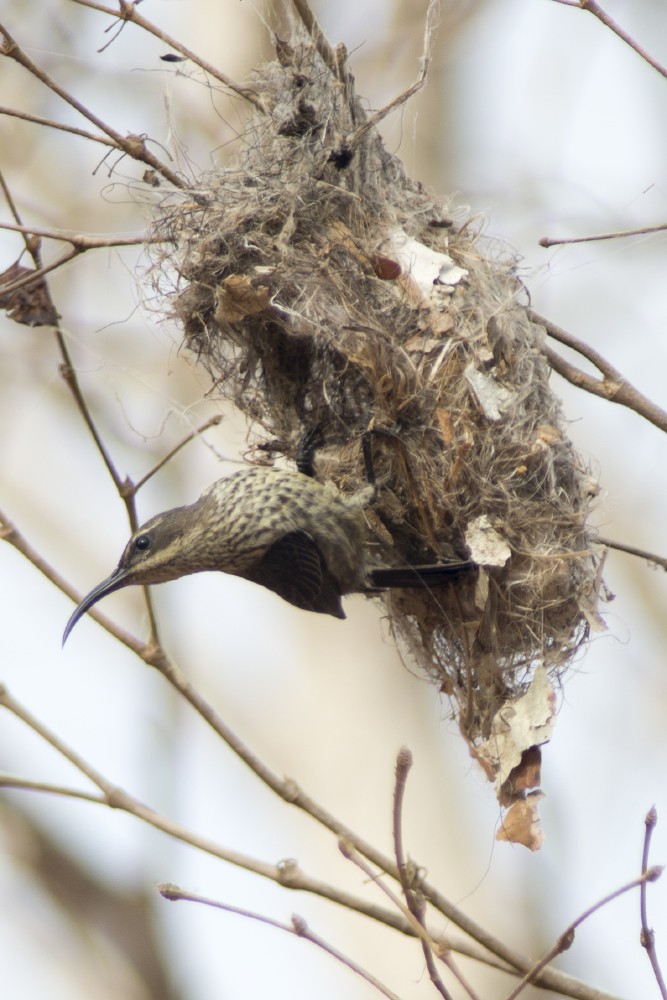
322,288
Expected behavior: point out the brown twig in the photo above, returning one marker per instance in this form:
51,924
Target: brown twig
27,785
349,852
298,927
213,422
612,386
33,246
420,82
132,145
647,936
82,241
596,10
49,123
127,11
548,241
320,40
289,876
80,244
36,276
414,904
10,534
286,874
632,551
567,937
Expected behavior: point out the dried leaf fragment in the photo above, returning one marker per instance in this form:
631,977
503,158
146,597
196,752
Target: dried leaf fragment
521,823
486,545
239,297
31,304
493,398
512,756
518,725
523,778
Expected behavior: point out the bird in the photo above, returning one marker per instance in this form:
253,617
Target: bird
282,529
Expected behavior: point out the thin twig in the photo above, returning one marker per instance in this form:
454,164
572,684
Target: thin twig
36,276
213,422
10,534
403,765
34,247
548,241
567,937
289,876
125,487
596,10
80,244
82,241
298,927
69,375
374,119
286,874
647,936
49,123
27,785
349,852
632,551
133,145
320,40
127,11
612,386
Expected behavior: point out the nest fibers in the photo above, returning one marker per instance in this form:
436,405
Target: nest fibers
321,287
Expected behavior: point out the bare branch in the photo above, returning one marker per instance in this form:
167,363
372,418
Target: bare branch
33,246
213,422
49,123
647,936
132,145
415,906
596,10
612,386
650,557
286,874
567,937
347,849
26,785
321,41
548,241
82,241
420,82
128,12
298,927
80,244
125,487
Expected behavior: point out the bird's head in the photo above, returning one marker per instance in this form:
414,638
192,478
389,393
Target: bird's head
162,549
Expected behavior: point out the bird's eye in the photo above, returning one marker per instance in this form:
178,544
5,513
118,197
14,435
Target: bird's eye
143,542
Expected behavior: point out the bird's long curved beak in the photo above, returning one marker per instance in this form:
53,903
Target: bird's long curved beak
117,580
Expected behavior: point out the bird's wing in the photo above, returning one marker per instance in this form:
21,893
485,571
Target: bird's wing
294,568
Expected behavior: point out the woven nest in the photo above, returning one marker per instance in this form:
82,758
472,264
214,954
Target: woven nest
294,288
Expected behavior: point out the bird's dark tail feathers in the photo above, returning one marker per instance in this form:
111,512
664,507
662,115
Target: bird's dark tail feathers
419,576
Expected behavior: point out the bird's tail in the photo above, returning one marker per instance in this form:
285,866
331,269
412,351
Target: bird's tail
419,576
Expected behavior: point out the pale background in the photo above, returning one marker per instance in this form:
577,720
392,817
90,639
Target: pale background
540,118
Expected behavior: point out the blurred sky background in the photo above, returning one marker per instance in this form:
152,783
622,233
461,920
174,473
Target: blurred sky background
536,116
